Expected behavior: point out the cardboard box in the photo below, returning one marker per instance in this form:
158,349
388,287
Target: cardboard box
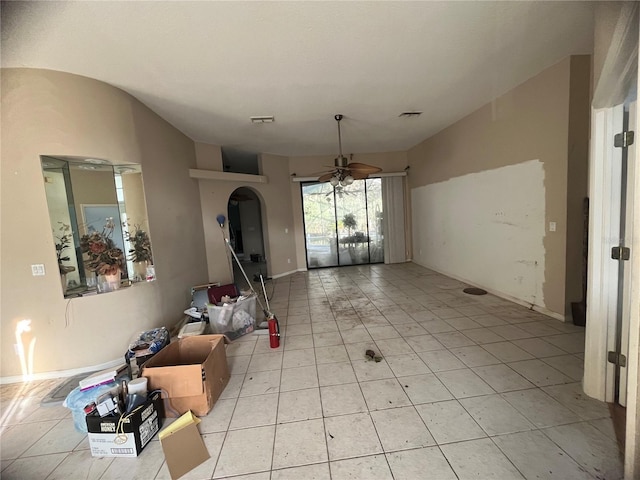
183,446
113,437
191,374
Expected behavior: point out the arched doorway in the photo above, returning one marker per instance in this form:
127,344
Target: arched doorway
244,211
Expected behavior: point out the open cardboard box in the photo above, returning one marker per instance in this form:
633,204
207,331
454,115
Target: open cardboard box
191,374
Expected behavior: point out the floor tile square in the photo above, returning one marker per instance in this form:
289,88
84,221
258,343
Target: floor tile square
409,364
570,365
510,332
539,373
507,351
381,394
411,329
324,326
449,422
424,343
299,405
441,360
299,443
474,356
401,429
453,339
538,348
573,397
437,325
424,388
342,399
538,457
298,358
261,383
333,354
234,459
351,436
298,342
151,460
245,414
394,346
502,378
327,339
17,439
336,374
33,468
295,330
232,390
483,335
479,459
463,323
495,415
317,471
74,462
370,370
374,466
539,408
355,334
219,418
414,464
569,342
384,332
298,378
464,383
264,362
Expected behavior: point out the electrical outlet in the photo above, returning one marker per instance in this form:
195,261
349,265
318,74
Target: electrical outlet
37,270
552,226
286,230
288,260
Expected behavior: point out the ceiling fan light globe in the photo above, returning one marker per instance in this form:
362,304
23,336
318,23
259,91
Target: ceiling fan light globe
348,180
334,181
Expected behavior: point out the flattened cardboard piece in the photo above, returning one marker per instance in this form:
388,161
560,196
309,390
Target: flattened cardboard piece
191,373
183,446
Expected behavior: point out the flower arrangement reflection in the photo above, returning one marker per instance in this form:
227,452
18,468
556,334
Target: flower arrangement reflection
104,257
63,242
140,250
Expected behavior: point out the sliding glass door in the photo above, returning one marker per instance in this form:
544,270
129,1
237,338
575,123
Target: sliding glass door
343,225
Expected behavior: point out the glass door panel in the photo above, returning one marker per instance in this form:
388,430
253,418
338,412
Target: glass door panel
343,225
351,211
374,213
318,205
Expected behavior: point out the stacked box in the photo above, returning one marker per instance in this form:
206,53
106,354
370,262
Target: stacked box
111,437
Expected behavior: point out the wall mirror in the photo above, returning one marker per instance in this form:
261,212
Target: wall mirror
99,224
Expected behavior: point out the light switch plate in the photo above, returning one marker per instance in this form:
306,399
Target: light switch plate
552,226
37,270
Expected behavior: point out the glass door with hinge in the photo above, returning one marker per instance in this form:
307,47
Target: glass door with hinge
343,225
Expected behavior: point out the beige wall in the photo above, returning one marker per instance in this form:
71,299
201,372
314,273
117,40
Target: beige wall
531,122
54,113
577,176
277,218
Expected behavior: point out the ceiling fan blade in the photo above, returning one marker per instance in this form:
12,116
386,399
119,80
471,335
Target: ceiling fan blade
363,167
326,177
359,175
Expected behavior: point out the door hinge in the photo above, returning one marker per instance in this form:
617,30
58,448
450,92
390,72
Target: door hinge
621,253
617,359
623,140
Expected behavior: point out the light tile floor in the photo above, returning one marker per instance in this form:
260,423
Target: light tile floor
469,387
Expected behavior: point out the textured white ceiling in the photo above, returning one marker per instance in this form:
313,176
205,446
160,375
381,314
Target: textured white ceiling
208,66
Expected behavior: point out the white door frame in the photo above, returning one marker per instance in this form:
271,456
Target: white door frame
604,233
618,77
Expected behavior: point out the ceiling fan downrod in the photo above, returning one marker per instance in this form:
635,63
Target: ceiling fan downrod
341,161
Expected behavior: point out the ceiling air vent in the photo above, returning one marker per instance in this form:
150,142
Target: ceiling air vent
410,114
262,119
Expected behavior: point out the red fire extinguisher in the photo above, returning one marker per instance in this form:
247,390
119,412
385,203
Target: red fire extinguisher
274,331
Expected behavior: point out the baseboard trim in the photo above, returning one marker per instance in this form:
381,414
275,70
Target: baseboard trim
60,373
291,272
505,296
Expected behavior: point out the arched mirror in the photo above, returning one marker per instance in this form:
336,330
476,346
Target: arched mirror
99,224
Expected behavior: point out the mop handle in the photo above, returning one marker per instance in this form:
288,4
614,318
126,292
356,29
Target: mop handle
264,291
243,272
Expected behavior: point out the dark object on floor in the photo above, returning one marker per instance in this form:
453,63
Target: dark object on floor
474,291
579,309
579,313
370,353
377,358
59,393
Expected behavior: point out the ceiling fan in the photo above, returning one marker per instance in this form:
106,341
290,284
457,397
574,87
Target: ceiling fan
344,172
